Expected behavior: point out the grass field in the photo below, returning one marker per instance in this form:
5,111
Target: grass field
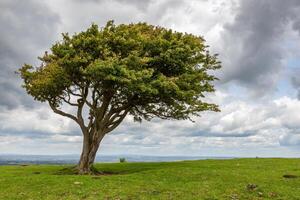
205,179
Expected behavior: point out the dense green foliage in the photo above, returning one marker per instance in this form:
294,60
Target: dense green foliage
208,179
157,71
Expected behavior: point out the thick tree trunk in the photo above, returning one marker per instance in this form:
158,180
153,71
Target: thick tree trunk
89,151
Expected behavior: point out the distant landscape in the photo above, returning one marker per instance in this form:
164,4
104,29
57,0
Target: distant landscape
16,159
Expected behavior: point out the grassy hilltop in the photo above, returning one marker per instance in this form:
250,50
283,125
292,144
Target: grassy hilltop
206,179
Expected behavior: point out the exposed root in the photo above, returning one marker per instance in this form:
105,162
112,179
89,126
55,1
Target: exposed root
74,170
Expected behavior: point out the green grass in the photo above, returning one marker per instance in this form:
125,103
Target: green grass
206,179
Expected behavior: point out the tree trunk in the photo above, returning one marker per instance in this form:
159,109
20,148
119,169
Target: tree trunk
89,151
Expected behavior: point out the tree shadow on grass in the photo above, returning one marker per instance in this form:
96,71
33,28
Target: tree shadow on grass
105,169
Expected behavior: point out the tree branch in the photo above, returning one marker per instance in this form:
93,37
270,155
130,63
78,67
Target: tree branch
57,111
68,101
100,112
80,107
115,124
71,92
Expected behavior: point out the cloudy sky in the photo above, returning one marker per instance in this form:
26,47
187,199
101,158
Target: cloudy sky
258,42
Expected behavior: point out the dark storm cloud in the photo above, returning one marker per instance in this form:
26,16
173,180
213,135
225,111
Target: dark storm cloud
27,28
252,51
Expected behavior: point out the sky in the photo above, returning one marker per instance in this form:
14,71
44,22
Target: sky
258,42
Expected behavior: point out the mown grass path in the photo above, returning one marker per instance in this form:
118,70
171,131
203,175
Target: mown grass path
205,179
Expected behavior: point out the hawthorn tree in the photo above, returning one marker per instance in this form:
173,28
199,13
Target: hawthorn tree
108,73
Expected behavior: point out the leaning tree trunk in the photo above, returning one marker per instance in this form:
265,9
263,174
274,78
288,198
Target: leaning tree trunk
102,120
89,151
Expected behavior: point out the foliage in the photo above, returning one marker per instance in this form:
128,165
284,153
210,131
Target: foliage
143,69
122,160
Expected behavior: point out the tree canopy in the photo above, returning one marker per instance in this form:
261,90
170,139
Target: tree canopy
137,69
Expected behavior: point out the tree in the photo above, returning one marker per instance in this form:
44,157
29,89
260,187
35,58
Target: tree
106,74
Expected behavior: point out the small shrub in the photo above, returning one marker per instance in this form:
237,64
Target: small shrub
122,160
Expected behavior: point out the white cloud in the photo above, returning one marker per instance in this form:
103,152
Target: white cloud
240,124
66,138
247,34
40,120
